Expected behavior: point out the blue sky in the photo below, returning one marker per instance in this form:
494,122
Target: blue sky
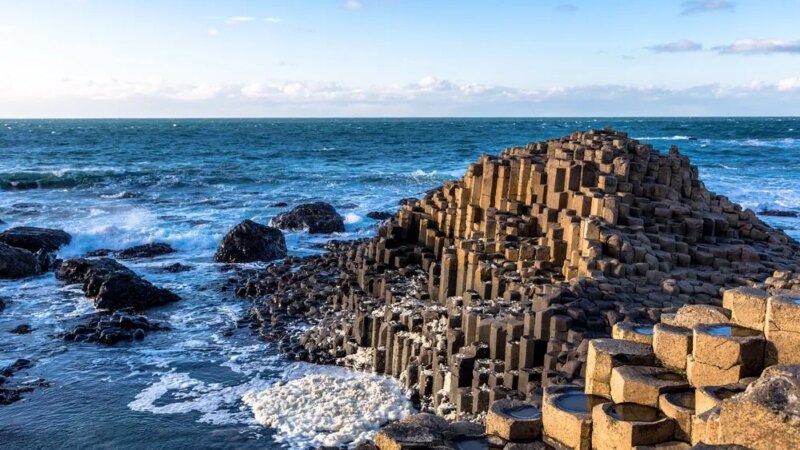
319,58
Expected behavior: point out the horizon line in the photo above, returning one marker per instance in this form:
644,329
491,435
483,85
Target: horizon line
750,116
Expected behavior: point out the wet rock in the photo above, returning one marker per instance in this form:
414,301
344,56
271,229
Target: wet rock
3,222
113,286
317,218
2,304
779,213
99,253
17,263
22,329
34,239
10,390
176,268
109,329
249,242
379,215
279,205
146,251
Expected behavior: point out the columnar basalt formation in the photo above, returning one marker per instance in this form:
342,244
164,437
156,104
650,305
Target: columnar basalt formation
493,286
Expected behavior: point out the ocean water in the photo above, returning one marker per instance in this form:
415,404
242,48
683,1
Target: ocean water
117,183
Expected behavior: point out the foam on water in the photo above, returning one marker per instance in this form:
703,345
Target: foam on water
329,409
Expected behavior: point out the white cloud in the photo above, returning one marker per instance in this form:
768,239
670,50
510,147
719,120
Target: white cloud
426,96
239,19
701,6
213,32
789,84
273,20
760,46
684,45
353,4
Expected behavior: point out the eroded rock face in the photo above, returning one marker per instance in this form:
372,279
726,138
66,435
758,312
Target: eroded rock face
146,251
34,239
113,286
250,242
17,263
318,218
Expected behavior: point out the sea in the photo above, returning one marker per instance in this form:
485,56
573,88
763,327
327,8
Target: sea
118,183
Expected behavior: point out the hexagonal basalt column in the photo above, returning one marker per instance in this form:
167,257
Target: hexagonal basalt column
782,330
514,420
636,332
748,306
606,354
624,425
680,407
708,397
643,384
567,417
723,354
672,345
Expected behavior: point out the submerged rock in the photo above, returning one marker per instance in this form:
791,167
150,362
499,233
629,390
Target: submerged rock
379,215
11,391
34,239
146,251
22,329
113,286
317,218
176,268
778,213
250,242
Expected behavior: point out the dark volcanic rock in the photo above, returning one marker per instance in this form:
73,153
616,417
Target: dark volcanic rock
249,242
22,329
279,205
778,213
112,285
112,328
35,239
146,251
379,215
177,267
317,217
11,392
17,263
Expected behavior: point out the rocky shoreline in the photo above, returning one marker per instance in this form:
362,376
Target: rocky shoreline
496,286
563,294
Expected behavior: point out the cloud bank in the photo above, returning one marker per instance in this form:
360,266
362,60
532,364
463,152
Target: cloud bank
760,46
428,96
677,47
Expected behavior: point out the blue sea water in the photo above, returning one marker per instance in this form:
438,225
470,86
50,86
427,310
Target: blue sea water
117,183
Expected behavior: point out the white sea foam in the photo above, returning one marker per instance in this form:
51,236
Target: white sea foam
217,404
664,138
351,218
324,409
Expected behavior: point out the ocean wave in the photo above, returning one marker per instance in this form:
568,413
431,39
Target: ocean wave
351,218
666,138
136,227
53,179
752,142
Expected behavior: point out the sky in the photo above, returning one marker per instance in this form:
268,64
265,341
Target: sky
398,58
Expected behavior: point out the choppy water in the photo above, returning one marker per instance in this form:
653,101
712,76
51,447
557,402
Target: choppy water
116,183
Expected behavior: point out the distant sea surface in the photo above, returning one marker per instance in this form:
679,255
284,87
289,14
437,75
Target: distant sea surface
118,183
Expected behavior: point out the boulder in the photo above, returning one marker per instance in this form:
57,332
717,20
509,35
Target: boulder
146,251
249,242
17,263
318,218
34,239
113,286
